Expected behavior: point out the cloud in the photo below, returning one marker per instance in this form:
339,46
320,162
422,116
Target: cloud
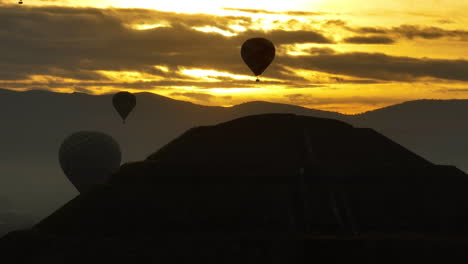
77,42
369,30
280,37
445,21
149,85
320,51
412,32
68,45
405,31
262,11
369,40
149,16
384,67
335,22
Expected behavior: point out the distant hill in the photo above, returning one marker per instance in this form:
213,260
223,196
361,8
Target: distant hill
34,123
435,129
273,186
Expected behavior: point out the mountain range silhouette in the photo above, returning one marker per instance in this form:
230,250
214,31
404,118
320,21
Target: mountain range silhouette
278,188
34,124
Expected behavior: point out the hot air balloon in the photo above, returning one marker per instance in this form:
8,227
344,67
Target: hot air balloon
89,158
124,102
258,53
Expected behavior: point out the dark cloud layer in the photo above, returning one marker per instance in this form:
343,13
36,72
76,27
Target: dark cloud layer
412,32
403,31
369,40
77,42
148,16
385,67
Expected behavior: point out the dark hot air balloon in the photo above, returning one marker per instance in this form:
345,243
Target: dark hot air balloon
258,53
124,102
89,158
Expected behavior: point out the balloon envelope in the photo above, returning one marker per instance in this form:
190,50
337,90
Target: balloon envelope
124,102
88,158
258,53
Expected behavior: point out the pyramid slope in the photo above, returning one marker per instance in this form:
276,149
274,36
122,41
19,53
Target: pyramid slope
202,182
287,139
283,187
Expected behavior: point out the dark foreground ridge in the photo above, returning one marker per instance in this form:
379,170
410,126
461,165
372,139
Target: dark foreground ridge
275,188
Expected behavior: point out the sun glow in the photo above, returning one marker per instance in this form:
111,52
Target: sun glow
162,68
130,76
209,29
148,26
237,90
210,75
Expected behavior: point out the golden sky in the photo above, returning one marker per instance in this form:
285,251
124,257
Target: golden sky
347,56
